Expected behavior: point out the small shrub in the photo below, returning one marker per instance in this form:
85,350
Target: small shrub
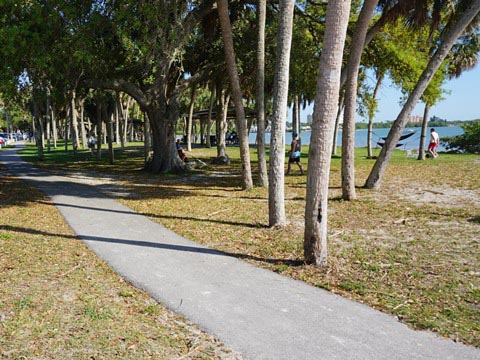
469,142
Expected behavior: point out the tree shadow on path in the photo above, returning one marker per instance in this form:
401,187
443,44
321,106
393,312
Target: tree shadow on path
155,245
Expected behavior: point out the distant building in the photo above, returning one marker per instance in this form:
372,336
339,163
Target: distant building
415,119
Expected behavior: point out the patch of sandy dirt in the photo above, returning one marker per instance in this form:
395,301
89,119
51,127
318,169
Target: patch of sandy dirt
445,197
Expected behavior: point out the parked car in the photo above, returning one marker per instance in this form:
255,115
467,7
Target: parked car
5,138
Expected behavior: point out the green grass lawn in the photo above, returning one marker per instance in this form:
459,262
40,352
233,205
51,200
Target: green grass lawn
410,249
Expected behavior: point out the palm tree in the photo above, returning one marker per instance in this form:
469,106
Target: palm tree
241,123
467,11
348,133
324,113
464,54
262,161
276,191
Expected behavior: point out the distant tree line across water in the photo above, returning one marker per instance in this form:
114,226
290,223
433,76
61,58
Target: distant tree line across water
434,122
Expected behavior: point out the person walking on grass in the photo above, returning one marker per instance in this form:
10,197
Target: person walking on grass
295,153
434,141
91,142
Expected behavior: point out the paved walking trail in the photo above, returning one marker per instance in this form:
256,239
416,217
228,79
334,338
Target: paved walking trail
258,313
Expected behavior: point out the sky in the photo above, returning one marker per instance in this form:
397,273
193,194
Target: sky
462,103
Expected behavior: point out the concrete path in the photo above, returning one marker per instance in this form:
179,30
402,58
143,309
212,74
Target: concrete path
258,313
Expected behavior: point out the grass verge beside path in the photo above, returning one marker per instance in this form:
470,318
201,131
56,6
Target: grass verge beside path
59,301
411,249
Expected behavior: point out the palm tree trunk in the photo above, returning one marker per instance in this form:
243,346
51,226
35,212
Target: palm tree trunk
453,31
337,122
221,121
210,111
324,112
276,191
68,121
38,129
296,115
54,127
147,140
82,124
261,153
348,133
421,146
109,126
74,125
241,124
371,113
47,119
202,123
121,122
125,119
99,129
190,118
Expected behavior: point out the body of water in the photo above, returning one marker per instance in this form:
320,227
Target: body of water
411,143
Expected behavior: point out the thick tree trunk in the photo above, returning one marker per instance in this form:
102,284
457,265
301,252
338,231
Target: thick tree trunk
163,118
261,153
348,133
241,124
452,32
276,190
324,112
421,146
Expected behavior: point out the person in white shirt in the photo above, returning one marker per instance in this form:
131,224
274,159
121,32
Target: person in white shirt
434,141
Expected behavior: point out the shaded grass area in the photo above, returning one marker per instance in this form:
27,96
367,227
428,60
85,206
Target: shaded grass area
417,260
59,301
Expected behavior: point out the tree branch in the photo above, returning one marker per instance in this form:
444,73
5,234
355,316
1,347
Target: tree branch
119,85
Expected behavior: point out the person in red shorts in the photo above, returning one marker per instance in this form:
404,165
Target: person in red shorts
434,141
